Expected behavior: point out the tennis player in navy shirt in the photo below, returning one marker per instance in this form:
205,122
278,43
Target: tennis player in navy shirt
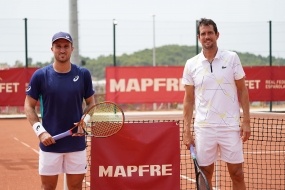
61,88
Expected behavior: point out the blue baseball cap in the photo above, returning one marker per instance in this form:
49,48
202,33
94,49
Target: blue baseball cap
62,35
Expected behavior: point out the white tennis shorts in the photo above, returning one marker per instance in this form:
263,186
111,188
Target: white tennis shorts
212,142
51,163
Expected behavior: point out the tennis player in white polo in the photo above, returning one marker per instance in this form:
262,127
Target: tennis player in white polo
214,86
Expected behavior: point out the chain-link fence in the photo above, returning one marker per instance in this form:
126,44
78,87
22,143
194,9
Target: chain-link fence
96,37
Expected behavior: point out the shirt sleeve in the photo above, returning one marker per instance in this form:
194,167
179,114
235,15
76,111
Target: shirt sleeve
238,69
34,88
187,77
88,87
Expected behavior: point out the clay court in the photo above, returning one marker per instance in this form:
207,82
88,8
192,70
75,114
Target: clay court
264,154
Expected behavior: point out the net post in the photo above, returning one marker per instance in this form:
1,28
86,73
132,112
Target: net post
64,182
217,174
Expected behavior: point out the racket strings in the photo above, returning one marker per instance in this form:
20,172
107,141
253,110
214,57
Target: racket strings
103,129
202,183
106,119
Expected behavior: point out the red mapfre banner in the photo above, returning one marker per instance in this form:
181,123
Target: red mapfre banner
265,83
149,84
163,84
144,84
13,84
140,156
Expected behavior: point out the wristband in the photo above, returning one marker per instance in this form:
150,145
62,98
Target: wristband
38,128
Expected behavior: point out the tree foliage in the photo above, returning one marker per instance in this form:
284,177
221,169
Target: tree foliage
168,55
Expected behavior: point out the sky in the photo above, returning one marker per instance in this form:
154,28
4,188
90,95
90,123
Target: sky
243,25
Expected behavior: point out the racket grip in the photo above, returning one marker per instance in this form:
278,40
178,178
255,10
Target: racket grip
61,135
192,151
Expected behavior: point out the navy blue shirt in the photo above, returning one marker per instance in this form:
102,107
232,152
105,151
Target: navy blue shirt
61,96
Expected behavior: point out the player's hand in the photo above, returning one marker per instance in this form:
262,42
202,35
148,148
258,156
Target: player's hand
245,131
188,138
46,139
80,131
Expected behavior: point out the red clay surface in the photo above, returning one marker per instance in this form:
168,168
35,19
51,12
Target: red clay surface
18,160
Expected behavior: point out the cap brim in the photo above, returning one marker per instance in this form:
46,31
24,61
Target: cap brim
62,38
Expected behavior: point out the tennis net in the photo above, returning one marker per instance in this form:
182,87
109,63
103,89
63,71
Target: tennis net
264,153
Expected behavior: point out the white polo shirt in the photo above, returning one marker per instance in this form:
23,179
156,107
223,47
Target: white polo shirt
216,100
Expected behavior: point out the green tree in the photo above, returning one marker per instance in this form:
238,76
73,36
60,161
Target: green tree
168,55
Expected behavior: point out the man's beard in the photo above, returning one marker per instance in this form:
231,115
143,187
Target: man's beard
62,60
208,47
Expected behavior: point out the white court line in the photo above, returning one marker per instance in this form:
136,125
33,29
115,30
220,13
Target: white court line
87,183
188,178
27,145
194,181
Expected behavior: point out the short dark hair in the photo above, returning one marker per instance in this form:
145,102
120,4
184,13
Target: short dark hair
206,22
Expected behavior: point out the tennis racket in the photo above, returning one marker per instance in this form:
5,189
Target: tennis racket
201,180
101,120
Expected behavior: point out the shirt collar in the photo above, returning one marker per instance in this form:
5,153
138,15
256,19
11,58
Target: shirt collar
217,56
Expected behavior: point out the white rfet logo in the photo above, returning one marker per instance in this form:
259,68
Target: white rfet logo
28,89
66,37
76,78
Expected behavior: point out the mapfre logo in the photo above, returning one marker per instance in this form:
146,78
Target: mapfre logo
141,170
146,84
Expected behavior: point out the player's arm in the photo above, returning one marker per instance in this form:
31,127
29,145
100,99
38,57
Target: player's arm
244,100
30,110
188,108
89,103
30,105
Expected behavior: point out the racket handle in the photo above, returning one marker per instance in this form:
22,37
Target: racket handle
61,135
192,151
